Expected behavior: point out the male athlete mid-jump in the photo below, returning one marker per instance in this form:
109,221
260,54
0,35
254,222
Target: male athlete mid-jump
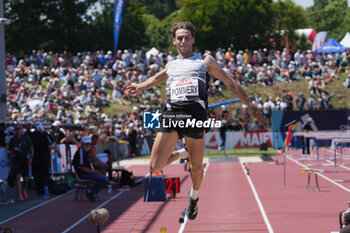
186,90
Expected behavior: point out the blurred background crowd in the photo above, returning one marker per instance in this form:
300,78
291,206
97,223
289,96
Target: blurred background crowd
74,89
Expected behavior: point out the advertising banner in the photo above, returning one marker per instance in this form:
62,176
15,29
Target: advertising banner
331,119
118,12
4,163
240,139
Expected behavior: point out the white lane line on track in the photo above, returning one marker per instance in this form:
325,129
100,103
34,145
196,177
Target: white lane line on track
183,225
41,204
261,207
139,219
323,176
34,207
104,203
86,216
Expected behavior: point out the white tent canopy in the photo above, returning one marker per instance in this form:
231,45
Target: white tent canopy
305,31
153,51
346,40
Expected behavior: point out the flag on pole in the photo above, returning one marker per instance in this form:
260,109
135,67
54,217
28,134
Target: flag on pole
118,12
319,40
308,33
289,137
311,37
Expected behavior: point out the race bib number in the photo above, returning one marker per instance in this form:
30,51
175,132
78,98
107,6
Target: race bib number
181,89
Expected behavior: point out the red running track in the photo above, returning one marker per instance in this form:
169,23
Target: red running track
227,204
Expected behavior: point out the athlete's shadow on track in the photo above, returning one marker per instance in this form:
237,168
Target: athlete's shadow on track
121,204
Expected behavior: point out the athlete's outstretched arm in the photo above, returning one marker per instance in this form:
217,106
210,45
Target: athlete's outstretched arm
215,70
160,77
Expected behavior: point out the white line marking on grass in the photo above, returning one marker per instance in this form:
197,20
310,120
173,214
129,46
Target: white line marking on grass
183,225
34,207
86,216
263,213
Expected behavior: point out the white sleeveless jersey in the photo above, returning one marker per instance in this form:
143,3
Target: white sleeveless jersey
187,83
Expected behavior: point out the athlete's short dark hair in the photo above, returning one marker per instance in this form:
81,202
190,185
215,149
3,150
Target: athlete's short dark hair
183,25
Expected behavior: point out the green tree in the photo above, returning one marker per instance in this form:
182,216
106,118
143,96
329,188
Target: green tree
67,24
50,24
132,31
321,3
102,26
21,33
287,18
158,31
302,44
160,8
344,27
329,16
220,23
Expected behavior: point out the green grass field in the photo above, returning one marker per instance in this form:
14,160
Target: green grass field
235,152
339,101
242,152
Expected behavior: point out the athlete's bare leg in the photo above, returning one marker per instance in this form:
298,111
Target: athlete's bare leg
196,150
18,184
162,150
175,155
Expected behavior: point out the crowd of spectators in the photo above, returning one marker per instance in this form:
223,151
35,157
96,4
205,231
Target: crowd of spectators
73,89
267,67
